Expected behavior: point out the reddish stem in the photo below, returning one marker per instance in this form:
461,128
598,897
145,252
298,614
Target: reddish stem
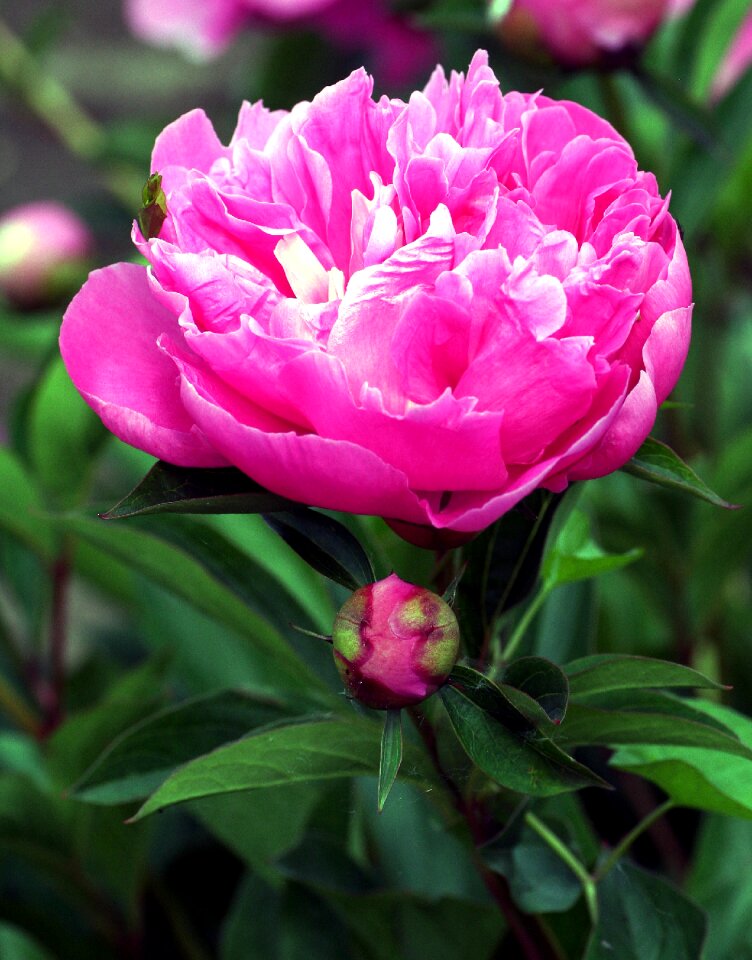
531,940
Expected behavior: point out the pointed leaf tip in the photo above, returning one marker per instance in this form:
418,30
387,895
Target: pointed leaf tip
658,463
391,755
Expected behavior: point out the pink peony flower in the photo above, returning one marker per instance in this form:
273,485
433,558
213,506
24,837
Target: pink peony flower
422,311
737,60
394,643
580,32
39,243
203,28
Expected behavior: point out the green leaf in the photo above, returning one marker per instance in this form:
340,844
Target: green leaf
539,880
534,767
259,825
543,681
83,736
515,710
21,508
658,463
435,863
587,725
603,673
695,776
64,435
644,918
299,753
142,757
391,754
278,666
259,589
574,556
719,880
170,489
17,945
326,544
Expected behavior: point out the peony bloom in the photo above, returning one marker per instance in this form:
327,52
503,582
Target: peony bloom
202,29
579,32
421,311
737,60
394,643
40,244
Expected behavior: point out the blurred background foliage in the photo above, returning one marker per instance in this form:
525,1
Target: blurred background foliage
155,612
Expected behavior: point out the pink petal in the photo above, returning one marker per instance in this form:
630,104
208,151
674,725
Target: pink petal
190,142
118,369
324,473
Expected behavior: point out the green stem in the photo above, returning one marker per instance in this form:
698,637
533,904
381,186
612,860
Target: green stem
510,648
621,848
57,108
565,854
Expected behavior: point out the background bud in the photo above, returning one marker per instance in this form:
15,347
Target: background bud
43,247
394,643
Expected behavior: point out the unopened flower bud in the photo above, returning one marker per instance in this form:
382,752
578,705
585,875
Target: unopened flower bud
394,643
43,247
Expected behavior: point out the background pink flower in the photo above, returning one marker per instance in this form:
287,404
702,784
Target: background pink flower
422,311
203,28
38,241
736,61
583,31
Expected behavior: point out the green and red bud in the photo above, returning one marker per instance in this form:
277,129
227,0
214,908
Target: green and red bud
394,643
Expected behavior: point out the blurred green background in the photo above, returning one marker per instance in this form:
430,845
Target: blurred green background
147,624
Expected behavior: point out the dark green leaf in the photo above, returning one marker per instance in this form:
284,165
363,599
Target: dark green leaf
658,463
391,754
299,753
535,767
644,918
141,758
259,825
516,711
83,737
694,776
289,923
436,862
264,593
326,544
189,579
602,673
539,880
170,489
543,681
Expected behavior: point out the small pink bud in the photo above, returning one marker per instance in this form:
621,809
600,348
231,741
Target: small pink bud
394,643
43,247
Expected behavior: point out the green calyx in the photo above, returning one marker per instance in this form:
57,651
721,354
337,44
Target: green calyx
153,213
